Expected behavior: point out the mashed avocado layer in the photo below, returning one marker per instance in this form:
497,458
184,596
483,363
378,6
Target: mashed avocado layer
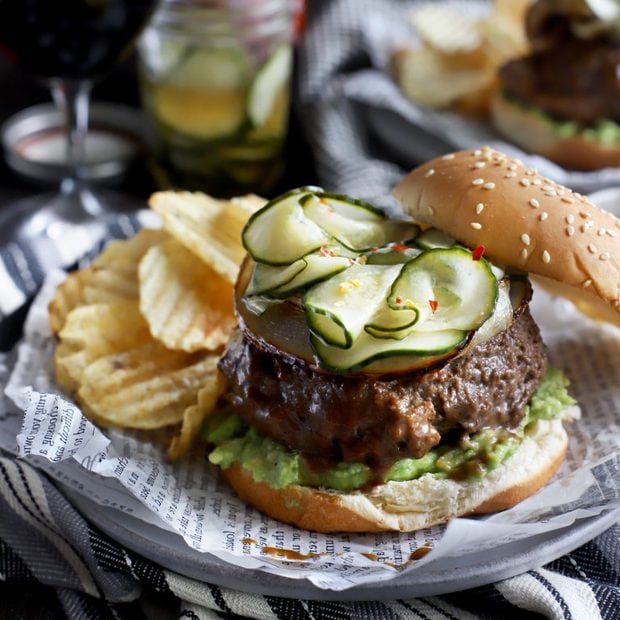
472,457
604,131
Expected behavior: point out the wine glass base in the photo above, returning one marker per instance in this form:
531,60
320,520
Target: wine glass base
51,215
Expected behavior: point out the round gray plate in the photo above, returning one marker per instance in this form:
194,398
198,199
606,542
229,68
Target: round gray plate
438,577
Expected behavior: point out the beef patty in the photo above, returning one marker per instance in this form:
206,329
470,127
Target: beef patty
377,420
574,81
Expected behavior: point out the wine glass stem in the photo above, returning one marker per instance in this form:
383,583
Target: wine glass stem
72,98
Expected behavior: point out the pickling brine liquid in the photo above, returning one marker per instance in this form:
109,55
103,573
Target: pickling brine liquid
215,80
206,139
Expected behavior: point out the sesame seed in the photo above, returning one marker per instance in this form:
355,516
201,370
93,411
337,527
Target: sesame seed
560,192
583,215
512,167
536,182
611,233
477,181
523,254
431,210
477,152
592,248
476,225
479,164
570,230
586,226
547,188
525,238
479,208
510,174
448,156
551,193
570,218
489,185
601,231
586,283
531,171
543,216
534,203
430,173
604,256
567,199
546,257
525,182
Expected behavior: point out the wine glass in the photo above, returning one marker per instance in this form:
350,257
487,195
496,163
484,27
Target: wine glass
68,44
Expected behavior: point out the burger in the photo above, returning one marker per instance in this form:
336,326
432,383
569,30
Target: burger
562,100
387,374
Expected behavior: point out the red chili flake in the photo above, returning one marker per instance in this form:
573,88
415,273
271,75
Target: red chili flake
399,247
325,252
434,304
478,252
398,300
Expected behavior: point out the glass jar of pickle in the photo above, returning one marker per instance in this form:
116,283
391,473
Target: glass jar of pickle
215,78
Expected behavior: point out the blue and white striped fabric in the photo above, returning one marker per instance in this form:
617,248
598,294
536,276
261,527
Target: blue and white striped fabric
45,543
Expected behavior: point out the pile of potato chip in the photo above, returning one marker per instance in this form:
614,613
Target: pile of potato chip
141,329
457,63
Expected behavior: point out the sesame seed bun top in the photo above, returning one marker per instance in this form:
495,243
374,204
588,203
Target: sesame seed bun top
524,220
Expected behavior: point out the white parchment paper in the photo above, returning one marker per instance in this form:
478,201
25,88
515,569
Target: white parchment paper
127,471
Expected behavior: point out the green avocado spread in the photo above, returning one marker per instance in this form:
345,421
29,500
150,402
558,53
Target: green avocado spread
472,457
605,131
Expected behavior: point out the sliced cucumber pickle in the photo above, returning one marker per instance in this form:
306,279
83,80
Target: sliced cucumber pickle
317,268
432,238
357,225
367,349
280,233
338,309
280,281
448,288
393,254
265,278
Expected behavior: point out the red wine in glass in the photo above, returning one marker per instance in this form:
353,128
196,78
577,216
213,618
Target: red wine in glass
68,44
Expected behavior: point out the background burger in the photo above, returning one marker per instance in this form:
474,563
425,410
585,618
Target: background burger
562,100
389,377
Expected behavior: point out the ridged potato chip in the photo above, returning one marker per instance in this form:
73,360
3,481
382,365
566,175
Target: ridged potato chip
432,80
187,305
144,388
209,228
194,416
446,29
68,295
111,277
96,330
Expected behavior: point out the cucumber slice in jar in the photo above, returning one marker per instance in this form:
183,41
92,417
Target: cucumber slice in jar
355,224
433,238
418,349
268,83
338,309
280,233
449,289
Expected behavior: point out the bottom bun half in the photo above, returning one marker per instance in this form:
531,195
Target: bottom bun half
536,135
416,504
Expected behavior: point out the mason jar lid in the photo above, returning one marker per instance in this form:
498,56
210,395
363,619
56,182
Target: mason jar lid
34,142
